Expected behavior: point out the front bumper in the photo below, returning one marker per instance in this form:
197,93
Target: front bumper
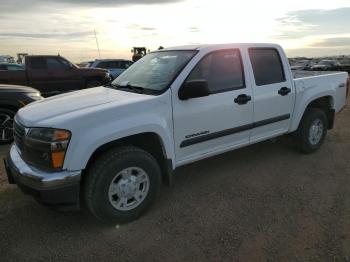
58,188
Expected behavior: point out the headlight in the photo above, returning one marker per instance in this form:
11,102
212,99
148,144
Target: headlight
108,76
35,96
46,147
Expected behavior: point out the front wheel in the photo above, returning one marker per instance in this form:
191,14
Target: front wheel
6,126
312,130
122,184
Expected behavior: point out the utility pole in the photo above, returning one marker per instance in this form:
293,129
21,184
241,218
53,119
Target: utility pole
98,48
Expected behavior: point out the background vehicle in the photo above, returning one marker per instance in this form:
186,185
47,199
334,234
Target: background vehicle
302,65
12,98
327,65
7,59
112,146
114,66
138,53
53,75
11,66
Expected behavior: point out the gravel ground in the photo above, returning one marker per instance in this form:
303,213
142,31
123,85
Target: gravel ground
261,203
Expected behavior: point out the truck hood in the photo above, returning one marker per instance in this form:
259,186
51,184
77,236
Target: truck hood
92,70
37,112
15,88
320,66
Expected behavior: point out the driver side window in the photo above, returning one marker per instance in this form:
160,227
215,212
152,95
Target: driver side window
55,64
223,70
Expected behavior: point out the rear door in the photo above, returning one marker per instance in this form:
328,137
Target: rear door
207,125
116,68
53,75
62,76
273,91
37,74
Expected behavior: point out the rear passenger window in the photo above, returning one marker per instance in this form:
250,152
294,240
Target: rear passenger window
223,71
103,65
114,64
267,66
55,64
38,63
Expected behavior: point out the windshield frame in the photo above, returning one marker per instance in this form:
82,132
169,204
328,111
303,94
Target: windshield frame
154,92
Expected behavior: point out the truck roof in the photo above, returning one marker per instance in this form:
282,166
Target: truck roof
109,59
43,56
220,46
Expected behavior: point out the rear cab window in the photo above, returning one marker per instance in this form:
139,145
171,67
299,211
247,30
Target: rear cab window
267,66
222,69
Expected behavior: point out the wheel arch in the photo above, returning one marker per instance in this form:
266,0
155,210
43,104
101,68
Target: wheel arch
325,103
14,106
148,141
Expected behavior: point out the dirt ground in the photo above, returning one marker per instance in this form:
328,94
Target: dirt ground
266,202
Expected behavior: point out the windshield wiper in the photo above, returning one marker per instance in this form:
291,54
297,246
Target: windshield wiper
129,86
133,88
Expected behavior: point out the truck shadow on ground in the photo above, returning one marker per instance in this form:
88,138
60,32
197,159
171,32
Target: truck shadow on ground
189,177
266,199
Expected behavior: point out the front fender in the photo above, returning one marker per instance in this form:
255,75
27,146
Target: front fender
81,148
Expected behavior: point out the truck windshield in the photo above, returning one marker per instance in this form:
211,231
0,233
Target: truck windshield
154,72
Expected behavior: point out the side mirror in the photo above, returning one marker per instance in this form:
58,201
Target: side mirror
193,89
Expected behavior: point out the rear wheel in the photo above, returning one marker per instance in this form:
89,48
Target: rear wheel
122,184
93,83
312,130
6,126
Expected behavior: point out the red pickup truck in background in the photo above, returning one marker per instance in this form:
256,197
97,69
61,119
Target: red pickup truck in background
53,75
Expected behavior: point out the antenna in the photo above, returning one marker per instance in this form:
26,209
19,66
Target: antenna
98,48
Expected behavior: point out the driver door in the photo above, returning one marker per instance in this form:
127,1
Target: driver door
219,122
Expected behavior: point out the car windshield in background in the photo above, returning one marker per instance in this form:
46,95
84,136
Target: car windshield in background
154,72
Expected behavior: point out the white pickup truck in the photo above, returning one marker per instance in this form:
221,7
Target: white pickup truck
112,146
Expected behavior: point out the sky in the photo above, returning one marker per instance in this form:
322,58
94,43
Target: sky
302,27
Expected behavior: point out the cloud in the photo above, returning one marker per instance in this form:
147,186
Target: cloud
303,23
141,27
12,6
113,2
145,28
334,42
193,29
53,35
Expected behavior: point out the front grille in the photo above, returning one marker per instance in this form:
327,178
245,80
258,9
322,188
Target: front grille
19,133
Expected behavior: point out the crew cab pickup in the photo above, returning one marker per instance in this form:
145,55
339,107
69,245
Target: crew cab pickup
112,146
53,75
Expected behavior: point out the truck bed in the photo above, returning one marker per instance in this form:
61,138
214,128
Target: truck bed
17,77
302,74
327,83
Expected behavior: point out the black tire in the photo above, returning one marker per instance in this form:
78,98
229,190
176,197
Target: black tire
103,172
93,83
301,136
4,112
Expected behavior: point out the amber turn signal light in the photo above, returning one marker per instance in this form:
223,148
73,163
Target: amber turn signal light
60,135
57,159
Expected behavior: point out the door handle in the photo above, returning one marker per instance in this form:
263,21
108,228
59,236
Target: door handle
242,99
284,91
